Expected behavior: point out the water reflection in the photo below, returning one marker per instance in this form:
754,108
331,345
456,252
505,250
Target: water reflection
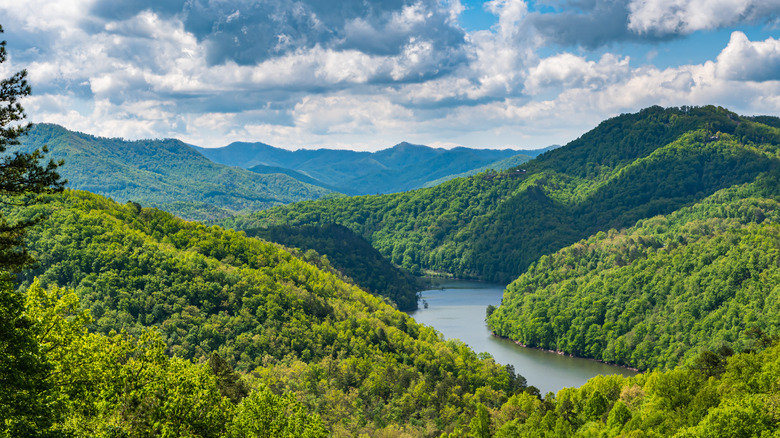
457,310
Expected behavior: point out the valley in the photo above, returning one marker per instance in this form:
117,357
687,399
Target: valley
389,219
456,308
650,242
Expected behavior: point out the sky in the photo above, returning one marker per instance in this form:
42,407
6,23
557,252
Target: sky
368,74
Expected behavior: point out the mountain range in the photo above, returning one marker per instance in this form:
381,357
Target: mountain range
650,241
167,174
400,168
645,241
182,179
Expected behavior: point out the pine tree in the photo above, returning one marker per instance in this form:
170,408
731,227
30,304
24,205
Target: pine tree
23,178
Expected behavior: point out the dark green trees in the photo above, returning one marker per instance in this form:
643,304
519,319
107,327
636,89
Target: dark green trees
22,177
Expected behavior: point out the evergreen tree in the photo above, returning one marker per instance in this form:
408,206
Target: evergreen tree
23,370
22,176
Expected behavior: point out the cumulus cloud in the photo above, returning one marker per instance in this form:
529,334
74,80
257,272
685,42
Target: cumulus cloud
367,74
671,17
745,60
570,71
589,24
247,32
597,23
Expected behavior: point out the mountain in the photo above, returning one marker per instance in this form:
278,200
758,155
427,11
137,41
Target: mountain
164,173
655,295
403,167
351,255
643,243
285,324
493,225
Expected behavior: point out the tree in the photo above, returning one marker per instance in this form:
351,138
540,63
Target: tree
23,369
23,178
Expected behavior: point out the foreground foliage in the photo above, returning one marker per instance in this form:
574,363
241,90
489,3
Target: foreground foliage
361,365
724,396
60,380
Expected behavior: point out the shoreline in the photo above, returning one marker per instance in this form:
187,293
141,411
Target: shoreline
563,353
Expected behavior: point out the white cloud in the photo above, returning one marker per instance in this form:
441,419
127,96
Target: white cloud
570,71
745,60
148,75
346,114
687,16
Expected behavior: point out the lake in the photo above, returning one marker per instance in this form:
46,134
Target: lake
457,310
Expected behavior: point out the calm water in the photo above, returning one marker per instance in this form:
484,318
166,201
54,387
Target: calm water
458,311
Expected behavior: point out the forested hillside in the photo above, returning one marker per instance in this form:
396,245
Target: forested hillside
58,380
655,295
403,167
357,363
353,256
167,174
721,395
494,225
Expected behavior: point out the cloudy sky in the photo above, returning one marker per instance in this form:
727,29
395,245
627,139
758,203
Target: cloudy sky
367,74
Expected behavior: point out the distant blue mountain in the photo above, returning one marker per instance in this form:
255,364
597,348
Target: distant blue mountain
400,168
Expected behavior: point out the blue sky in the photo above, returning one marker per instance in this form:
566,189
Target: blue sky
364,74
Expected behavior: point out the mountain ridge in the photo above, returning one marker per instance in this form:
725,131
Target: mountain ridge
168,174
493,225
402,167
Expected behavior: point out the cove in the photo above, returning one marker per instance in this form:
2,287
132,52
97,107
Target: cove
456,308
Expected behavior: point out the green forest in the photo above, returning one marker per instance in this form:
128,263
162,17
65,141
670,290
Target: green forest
654,295
494,225
651,242
284,324
351,255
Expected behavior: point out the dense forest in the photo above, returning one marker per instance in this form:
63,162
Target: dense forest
351,359
166,174
58,379
353,256
721,395
651,241
654,295
73,382
494,225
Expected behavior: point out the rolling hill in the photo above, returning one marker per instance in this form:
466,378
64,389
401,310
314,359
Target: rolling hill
493,225
167,174
358,363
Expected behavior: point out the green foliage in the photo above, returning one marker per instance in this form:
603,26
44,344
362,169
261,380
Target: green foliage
352,255
682,403
662,291
22,176
266,415
118,385
23,369
167,174
494,225
361,365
